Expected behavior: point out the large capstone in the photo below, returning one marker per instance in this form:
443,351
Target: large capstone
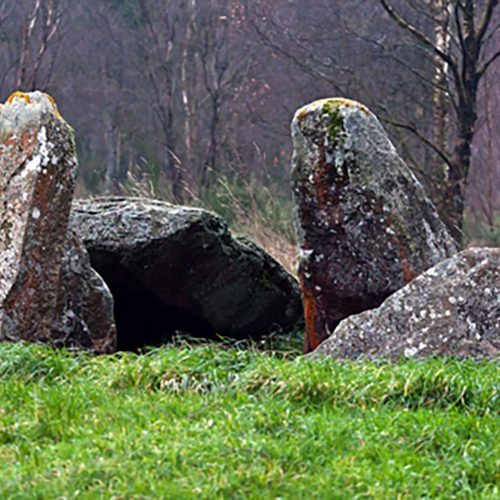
37,177
452,309
365,226
177,269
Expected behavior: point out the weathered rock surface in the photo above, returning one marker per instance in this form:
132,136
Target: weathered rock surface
452,309
85,316
37,177
174,268
364,223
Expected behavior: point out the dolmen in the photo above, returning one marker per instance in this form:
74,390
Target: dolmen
111,274
180,269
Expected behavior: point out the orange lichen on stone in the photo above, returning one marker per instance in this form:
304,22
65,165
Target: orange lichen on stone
19,95
408,274
321,183
312,337
404,257
25,96
54,105
340,101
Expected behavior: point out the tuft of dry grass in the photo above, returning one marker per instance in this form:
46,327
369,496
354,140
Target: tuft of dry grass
257,212
274,243
250,208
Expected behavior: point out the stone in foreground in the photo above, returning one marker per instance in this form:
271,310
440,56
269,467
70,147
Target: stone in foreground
37,176
178,269
452,309
364,224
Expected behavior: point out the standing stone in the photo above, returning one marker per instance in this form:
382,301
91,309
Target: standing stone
365,226
37,177
452,309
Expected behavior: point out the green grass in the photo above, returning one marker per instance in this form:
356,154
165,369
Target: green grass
212,422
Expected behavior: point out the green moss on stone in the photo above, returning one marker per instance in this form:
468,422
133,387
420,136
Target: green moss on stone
72,140
335,127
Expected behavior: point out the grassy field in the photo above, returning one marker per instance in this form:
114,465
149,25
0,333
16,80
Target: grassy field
212,422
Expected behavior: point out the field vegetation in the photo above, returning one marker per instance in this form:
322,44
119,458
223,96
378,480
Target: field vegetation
216,420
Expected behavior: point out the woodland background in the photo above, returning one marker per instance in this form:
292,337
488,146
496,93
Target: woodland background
191,100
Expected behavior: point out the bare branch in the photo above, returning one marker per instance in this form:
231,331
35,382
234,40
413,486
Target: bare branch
296,60
428,43
488,63
491,34
411,128
417,33
486,19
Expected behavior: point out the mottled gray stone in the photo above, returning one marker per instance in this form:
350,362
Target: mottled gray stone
85,317
37,176
365,226
452,309
38,169
173,268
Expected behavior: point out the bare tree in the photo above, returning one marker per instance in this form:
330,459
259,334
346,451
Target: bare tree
463,55
222,70
177,90
40,30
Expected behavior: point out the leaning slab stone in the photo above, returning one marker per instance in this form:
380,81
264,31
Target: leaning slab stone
37,177
84,314
452,309
365,226
173,268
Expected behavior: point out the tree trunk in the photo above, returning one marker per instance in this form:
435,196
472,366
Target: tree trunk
441,12
453,209
211,164
466,110
112,158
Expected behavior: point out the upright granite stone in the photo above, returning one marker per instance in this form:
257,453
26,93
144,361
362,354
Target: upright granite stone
365,226
37,176
452,309
178,269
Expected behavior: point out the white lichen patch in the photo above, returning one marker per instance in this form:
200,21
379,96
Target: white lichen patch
304,255
43,158
32,166
409,352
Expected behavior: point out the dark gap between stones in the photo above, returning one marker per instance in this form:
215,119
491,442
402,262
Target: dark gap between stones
142,318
